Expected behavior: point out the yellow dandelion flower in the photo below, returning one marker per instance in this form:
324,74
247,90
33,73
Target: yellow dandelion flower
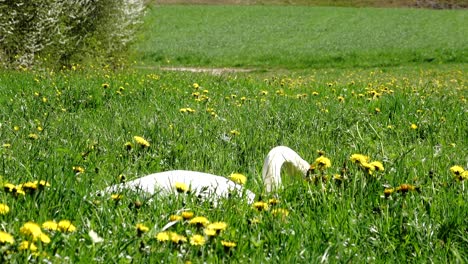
66,226
50,225
33,136
464,175
183,110
461,176
116,196
210,232
197,240
280,212
228,244
181,187
29,186
4,209
238,178
128,146
195,85
163,236
141,141
44,238
6,145
78,169
322,163
121,178
8,187
341,99
105,85
457,170
338,178
368,168
388,192
404,188
273,201
31,229
234,132
16,128
359,159
374,93
141,228
15,190
264,92
26,245
6,238
260,206
199,221
377,165
176,238
217,226
187,215
42,183
18,191
414,126
173,218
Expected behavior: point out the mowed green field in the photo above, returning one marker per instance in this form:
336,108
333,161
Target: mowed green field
65,135
301,36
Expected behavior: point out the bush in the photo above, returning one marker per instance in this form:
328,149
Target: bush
61,32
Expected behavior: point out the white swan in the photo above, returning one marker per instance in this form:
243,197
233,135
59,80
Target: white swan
209,185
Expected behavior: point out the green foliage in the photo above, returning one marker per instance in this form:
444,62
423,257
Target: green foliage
55,33
300,37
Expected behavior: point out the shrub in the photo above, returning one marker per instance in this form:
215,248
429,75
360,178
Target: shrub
61,32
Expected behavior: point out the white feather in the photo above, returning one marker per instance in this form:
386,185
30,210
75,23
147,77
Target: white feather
274,161
209,185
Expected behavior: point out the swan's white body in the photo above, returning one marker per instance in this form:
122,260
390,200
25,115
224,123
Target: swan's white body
209,185
201,184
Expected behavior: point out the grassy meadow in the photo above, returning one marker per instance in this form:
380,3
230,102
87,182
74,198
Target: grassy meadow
66,134
301,37
436,4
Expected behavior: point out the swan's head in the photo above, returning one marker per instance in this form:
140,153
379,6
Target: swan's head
274,162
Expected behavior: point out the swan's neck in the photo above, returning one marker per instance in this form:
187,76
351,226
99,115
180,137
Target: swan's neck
275,159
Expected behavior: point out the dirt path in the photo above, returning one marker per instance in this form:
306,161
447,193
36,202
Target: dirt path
214,71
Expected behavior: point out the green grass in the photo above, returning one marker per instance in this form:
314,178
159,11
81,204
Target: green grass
300,37
84,124
308,94
345,3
